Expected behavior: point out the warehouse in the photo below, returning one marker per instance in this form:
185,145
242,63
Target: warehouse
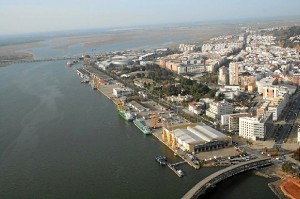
196,139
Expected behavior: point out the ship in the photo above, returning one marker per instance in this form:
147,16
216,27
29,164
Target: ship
127,115
144,128
69,64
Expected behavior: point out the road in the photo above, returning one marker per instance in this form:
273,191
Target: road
290,118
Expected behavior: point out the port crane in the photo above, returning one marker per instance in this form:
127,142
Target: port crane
154,119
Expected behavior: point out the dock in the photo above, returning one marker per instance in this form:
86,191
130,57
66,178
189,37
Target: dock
157,135
179,163
171,166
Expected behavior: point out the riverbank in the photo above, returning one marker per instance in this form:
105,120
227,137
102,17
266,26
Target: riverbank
285,187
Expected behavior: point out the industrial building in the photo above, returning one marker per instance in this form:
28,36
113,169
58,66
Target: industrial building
196,139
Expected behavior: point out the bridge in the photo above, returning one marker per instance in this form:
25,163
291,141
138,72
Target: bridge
36,60
210,181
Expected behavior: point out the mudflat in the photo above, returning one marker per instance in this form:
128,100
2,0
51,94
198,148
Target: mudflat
172,34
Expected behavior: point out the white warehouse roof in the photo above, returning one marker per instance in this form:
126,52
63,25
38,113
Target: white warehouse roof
200,133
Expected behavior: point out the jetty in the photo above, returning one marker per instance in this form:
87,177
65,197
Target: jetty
37,60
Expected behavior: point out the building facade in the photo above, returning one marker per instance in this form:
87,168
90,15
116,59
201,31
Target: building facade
234,73
196,139
216,109
223,76
255,128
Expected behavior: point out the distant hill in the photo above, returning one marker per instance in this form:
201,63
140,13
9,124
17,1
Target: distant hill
288,37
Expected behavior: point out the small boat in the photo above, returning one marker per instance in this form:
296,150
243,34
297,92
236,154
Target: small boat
180,172
162,160
69,64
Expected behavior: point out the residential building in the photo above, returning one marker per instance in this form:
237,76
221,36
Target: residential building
276,98
223,76
216,109
186,47
197,107
225,119
118,92
268,81
255,128
183,69
234,73
234,120
247,83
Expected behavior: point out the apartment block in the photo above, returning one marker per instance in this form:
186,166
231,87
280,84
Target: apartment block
217,109
255,128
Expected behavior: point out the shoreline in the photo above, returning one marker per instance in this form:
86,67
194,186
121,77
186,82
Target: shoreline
278,187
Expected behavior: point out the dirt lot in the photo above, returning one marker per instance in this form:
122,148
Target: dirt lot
291,187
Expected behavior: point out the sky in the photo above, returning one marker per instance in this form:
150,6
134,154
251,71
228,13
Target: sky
26,16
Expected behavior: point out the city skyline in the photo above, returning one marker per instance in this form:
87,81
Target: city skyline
28,16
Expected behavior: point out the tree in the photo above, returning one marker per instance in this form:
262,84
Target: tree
249,142
296,154
266,150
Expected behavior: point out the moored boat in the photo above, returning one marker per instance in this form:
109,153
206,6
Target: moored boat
127,115
144,128
69,64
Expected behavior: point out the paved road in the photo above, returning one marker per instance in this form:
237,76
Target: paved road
291,116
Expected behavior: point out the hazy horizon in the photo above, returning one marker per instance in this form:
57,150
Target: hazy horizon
33,16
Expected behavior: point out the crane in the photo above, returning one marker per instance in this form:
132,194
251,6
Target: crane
154,118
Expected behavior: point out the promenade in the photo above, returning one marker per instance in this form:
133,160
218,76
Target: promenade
210,181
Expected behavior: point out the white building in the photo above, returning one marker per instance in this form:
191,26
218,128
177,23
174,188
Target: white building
254,127
268,81
206,47
217,109
186,47
225,119
234,73
118,92
191,69
196,139
197,107
272,92
223,76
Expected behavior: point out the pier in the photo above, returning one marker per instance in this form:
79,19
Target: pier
36,60
209,182
179,163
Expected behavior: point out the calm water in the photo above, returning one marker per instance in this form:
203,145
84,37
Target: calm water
61,139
